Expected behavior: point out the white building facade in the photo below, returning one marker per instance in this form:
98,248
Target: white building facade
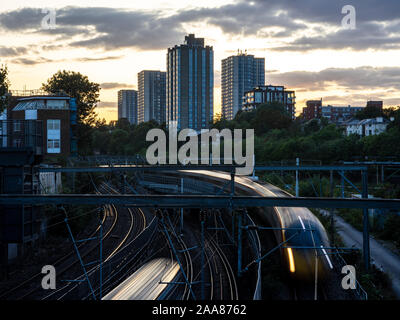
366,127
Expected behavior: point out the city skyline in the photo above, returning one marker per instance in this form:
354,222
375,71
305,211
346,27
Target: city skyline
306,50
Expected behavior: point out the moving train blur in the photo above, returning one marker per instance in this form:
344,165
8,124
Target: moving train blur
147,283
300,262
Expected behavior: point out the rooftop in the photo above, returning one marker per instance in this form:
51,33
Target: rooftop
42,103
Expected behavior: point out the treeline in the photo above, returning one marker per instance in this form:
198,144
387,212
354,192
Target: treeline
121,137
278,137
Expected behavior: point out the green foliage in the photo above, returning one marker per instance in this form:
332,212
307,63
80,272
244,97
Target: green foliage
391,229
376,283
279,138
123,138
353,217
387,191
4,85
385,144
369,113
263,119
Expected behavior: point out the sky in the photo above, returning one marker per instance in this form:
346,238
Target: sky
304,43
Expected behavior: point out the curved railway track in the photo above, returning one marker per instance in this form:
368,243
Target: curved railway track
110,219
132,232
62,265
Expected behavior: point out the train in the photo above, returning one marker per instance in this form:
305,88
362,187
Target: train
303,236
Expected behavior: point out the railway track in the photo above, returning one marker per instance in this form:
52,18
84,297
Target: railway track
187,256
223,275
62,265
133,231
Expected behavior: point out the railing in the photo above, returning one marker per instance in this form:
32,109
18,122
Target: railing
35,92
22,134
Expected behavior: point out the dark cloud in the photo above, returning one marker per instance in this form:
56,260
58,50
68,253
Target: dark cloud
378,24
368,35
106,28
88,59
107,105
21,19
118,28
12,51
30,62
360,78
331,11
242,18
39,60
115,85
360,99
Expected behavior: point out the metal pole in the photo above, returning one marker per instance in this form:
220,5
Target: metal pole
342,183
202,258
230,208
254,166
239,243
101,255
181,208
297,177
316,277
232,183
320,185
332,219
366,251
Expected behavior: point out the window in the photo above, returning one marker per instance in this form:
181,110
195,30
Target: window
53,124
53,145
17,143
53,136
17,126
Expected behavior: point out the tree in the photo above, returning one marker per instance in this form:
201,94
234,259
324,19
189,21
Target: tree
4,85
79,87
394,113
86,94
369,113
269,116
312,126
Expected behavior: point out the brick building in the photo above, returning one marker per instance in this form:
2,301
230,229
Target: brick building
57,115
313,109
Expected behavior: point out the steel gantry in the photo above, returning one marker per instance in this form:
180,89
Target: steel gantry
185,201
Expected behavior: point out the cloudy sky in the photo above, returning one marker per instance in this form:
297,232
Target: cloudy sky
304,44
